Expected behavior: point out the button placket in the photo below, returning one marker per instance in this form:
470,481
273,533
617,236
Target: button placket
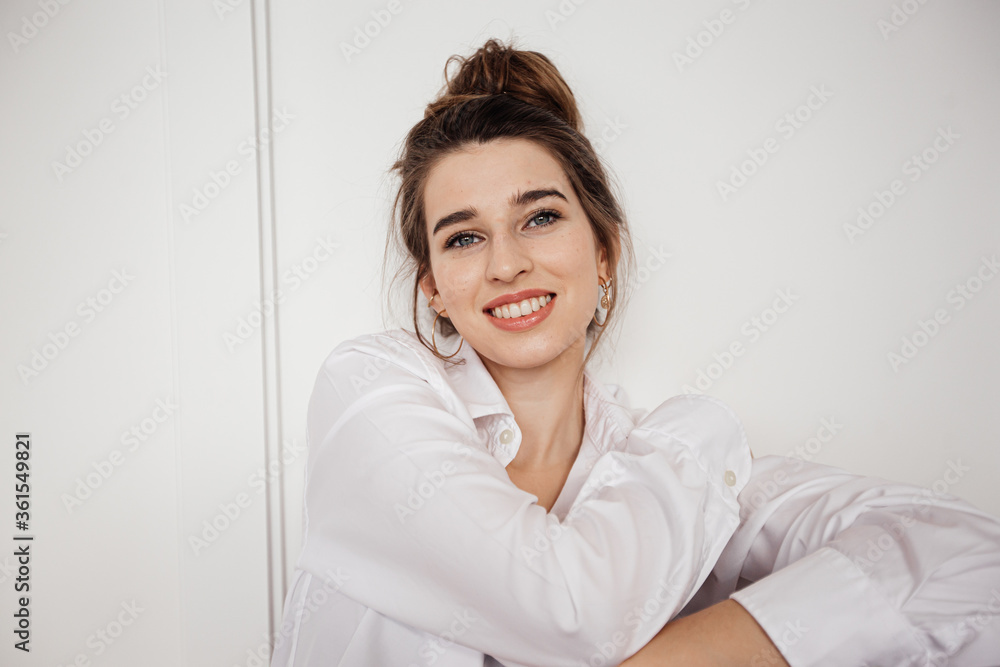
505,439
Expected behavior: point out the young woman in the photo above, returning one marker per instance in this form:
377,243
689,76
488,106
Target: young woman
479,498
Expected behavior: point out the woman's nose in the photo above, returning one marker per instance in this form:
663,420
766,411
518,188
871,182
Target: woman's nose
507,258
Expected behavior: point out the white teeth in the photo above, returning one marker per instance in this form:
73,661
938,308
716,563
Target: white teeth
511,310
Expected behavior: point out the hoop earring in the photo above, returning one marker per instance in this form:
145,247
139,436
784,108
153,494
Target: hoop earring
434,332
605,303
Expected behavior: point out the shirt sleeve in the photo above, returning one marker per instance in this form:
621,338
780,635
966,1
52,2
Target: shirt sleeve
853,570
426,527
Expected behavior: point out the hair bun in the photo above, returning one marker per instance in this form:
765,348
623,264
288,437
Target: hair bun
497,68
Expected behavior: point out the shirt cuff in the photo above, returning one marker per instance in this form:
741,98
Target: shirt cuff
823,610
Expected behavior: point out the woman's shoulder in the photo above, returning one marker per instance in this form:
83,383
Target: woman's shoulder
370,356
701,406
390,344
698,420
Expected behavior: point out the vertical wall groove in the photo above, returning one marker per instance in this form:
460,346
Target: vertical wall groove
269,327
175,364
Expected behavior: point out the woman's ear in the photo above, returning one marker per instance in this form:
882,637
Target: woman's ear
602,263
427,286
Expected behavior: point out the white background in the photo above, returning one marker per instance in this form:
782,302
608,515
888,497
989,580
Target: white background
328,120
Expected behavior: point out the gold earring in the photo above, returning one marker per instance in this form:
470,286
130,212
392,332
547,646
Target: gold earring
434,332
605,303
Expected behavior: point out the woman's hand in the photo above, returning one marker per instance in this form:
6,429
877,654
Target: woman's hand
724,634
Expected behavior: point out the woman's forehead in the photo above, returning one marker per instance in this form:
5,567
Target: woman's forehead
490,174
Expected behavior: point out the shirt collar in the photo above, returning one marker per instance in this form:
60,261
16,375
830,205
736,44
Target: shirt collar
608,417
475,386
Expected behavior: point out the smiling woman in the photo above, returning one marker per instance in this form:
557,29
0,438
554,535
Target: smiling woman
500,159
525,239
498,505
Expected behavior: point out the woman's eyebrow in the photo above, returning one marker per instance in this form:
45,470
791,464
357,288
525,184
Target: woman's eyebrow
516,200
525,198
455,218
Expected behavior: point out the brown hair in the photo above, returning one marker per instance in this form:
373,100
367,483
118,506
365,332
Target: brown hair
502,92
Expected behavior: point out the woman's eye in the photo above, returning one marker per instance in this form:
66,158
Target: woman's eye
466,239
544,218
453,241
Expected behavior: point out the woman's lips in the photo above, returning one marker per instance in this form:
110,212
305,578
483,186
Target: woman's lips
525,321
520,307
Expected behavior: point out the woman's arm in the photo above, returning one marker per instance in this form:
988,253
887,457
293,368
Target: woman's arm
848,570
426,526
723,635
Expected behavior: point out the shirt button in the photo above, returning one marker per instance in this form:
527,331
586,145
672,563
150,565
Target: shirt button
730,478
506,436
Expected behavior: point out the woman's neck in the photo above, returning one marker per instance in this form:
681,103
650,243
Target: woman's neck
547,402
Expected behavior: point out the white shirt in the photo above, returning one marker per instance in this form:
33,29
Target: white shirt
419,550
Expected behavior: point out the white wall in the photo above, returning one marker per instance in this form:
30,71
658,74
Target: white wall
123,536
309,220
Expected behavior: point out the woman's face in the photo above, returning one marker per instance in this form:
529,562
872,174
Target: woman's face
503,218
